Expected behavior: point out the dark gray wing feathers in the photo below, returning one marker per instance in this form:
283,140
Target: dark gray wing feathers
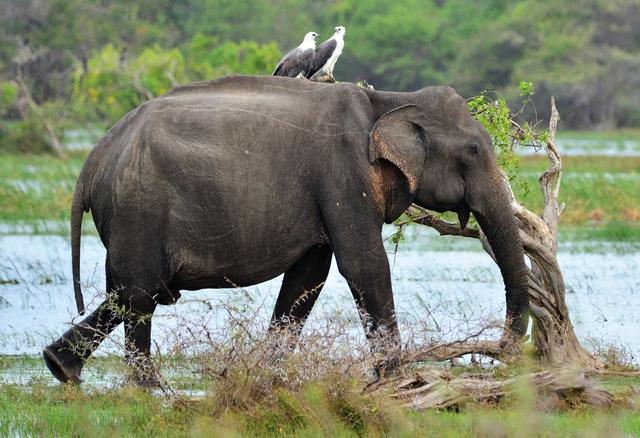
322,55
295,62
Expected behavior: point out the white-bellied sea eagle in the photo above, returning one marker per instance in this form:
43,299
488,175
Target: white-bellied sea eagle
299,60
327,54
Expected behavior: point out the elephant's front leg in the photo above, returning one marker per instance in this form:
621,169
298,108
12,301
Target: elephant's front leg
365,266
300,289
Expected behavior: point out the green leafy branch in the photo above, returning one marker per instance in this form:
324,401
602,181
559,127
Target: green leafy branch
492,110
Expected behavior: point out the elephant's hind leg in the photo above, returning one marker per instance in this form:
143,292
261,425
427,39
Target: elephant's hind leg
300,289
139,277
137,333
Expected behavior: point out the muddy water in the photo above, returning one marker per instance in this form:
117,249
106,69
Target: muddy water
447,285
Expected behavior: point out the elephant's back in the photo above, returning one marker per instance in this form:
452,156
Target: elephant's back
238,128
257,84
229,118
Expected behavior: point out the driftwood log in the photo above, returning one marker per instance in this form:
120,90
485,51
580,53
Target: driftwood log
551,389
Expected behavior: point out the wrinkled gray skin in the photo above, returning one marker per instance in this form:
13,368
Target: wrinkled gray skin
239,180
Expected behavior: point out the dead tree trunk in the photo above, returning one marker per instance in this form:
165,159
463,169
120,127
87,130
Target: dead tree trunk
553,332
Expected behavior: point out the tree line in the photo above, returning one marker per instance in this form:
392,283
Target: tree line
93,60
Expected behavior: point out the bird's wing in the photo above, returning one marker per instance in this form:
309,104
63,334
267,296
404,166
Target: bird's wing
277,69
297,63
322,55
306,60
290,53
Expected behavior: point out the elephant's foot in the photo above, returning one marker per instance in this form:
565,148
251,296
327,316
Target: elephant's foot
142,379
66,356
387,368
142,372
511,345
63,363
515,332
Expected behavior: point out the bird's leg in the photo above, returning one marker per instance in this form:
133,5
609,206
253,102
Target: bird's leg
324,78
330,74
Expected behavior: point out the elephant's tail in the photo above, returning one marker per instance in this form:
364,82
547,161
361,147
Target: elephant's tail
77,211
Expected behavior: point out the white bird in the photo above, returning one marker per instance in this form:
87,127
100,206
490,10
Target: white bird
299,60
327,54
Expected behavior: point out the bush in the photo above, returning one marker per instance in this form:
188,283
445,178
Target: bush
208,58
24,136
103,91
8,96
115,83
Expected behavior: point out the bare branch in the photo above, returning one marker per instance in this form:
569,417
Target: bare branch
424,217
550,179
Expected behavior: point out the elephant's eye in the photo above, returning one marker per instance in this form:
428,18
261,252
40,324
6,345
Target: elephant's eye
473,148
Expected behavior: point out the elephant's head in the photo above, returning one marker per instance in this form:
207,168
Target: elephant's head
443,159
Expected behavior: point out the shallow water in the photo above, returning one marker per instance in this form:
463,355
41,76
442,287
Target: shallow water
448,285
573,146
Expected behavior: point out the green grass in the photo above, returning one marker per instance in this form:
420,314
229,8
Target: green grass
243,404
317,409
600,193
37,187
617,134
69,411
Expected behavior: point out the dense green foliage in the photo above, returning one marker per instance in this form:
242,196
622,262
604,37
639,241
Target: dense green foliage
97,59
112,83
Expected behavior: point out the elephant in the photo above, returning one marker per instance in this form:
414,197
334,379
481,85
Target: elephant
244,178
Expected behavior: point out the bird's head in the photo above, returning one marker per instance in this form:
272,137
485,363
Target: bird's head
340,30
311,37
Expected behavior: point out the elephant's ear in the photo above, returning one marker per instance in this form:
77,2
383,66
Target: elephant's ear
398,139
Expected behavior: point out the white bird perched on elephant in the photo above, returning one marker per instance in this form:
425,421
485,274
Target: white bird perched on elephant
327,54
298,61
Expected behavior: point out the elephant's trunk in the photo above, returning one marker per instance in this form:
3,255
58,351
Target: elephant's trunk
495,217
